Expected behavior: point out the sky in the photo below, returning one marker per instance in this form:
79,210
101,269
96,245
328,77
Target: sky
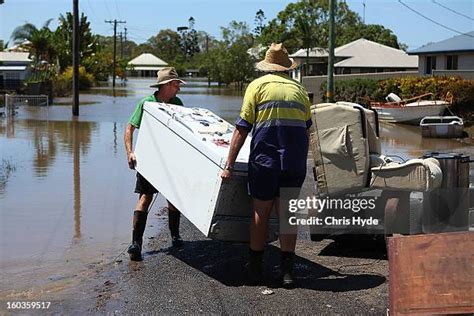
144,18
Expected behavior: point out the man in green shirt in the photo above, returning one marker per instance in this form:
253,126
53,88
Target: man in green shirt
168,85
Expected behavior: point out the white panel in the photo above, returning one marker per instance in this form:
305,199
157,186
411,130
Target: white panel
181,160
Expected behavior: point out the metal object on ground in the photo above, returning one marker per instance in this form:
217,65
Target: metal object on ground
442,126
13,101
447,208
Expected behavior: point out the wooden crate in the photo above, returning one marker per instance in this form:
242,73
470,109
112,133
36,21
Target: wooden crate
431,274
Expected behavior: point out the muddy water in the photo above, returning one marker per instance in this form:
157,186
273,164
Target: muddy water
66,191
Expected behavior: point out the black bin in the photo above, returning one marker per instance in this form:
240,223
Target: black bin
446,209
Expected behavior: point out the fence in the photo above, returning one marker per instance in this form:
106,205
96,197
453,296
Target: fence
13,101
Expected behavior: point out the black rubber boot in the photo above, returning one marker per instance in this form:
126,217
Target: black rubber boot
287,280
139,224
174,217
254,267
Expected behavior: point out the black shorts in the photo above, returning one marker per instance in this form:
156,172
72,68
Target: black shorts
265,183
142,186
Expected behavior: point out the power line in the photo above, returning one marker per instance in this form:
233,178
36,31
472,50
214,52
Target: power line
117,8
107,8
433,21
141,29
454,11
134,35
92,10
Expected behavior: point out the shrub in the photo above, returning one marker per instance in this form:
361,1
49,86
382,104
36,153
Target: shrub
352,90
63,82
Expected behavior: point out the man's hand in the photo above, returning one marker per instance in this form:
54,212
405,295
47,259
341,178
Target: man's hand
132,160
226,174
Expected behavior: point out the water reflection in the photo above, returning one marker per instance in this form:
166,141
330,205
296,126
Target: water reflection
76,146
407,140
47,135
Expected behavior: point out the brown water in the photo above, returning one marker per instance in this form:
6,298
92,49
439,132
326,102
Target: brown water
66,196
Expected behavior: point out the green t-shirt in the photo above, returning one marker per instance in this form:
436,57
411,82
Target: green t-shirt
136,117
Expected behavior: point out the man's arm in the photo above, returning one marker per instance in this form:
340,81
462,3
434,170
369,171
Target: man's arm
128,139
238,139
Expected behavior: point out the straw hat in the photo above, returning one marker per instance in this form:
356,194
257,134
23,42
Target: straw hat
166,75
276,59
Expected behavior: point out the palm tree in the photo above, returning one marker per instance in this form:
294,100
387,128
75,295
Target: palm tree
40,42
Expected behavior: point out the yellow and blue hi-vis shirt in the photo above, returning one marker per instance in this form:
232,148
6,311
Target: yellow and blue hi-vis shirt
278,109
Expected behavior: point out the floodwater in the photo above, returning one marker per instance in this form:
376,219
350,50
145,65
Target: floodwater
66,193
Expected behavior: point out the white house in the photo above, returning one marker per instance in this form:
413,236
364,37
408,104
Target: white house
359,56
14,69
145,65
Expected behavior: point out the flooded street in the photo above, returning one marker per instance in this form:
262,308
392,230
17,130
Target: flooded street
66,193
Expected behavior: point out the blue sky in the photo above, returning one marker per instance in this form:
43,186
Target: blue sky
146,17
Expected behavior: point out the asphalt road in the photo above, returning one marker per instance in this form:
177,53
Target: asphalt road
206,276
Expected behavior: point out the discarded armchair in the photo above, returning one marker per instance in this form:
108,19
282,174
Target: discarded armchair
344,141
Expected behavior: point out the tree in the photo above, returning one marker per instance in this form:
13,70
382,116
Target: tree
166,45
379,34
297,20
87,41
259,22
229,61
40,42
189,40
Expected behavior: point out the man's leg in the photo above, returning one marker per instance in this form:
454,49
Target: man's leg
263,189
259,225
290,186
258,237
139,224
173,223
146,192
287,236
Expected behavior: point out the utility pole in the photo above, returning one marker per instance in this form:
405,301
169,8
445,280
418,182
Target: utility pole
114,22
207,56
330,85
125,40
75,58
121,45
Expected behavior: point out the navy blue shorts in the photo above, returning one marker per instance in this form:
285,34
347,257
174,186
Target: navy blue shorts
265,183
142,186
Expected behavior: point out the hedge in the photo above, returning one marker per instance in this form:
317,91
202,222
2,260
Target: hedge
358,90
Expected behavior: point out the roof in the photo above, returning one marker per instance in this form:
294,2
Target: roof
22,47
147,59
14,57
12,68
313,52
365,53
459,43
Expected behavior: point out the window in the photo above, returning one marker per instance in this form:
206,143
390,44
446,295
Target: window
451,62
430,64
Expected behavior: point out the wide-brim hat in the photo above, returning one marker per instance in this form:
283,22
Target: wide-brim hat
166,75
276,59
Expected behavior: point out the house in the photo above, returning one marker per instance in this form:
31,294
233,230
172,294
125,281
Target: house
14,69
145,65
455,54
359,56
